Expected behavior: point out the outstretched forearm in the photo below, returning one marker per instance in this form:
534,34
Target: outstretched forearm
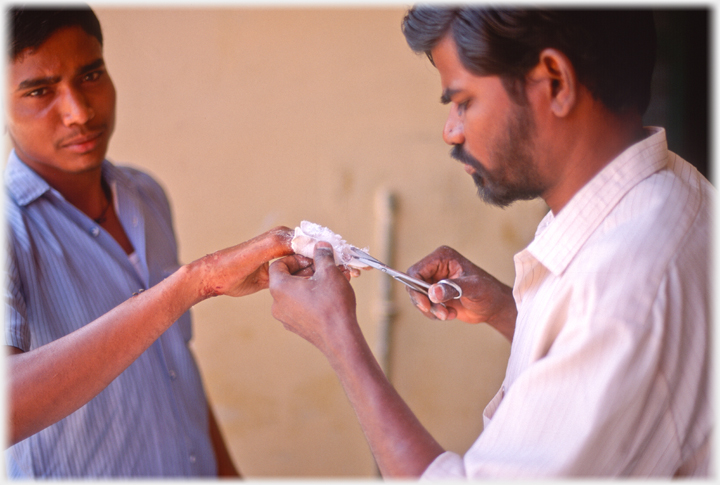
52,381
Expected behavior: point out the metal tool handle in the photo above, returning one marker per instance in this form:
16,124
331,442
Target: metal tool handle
413,283
407,280
410,282
453,285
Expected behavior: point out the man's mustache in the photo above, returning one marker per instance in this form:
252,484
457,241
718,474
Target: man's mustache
481,177
458,153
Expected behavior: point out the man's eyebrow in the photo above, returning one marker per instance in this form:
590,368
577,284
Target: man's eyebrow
447,95
44,81
37,82
92,66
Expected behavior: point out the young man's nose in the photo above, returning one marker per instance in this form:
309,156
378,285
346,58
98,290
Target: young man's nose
75,109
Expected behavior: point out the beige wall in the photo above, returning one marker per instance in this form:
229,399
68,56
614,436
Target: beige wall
256,117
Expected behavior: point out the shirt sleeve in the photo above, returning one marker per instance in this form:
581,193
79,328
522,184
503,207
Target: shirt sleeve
448,465
17,333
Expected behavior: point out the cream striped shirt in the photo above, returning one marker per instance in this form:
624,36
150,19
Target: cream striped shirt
609,367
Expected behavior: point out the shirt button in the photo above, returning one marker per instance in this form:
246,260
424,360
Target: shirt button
95,231
192,459
173,375
135,221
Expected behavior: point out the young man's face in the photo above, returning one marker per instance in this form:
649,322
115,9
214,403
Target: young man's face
492,135
61,104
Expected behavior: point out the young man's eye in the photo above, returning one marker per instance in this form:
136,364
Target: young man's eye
36,93
462,107
92,76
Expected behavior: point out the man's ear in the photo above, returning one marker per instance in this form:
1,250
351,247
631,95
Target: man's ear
556,75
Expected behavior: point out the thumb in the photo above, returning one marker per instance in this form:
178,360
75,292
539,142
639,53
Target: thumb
323,256
443,291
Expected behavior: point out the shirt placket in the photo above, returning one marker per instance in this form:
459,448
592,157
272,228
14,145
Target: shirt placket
133,221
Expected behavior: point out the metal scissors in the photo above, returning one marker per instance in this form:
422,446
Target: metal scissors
407,280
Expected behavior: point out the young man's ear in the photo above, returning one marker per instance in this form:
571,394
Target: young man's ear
555,73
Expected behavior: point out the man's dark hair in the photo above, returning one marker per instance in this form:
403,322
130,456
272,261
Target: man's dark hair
612,51
31,26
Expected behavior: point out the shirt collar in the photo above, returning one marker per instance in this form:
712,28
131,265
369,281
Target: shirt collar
24,185
559,237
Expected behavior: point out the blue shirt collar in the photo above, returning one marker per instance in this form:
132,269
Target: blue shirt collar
24,185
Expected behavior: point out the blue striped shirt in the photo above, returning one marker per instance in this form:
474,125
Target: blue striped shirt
63,271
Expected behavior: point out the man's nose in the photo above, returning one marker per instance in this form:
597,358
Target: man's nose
75,109
453,132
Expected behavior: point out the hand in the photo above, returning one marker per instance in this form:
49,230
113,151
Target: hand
484,298
321,309
314,307
243,269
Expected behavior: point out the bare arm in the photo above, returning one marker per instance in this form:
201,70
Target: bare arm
321,309
401,445
52,381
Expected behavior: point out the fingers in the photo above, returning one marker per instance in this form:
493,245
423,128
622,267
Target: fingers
444,290
253,253
441,264
274,243
307,271
287,277
419,300
295,265
435,311
443,311
283,268
351,272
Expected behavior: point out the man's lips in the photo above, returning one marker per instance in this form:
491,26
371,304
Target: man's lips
83,143
461,156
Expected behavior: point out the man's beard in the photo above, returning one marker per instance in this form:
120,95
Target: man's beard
516,177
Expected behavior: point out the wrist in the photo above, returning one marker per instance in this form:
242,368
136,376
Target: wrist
344,341
504,320
196,279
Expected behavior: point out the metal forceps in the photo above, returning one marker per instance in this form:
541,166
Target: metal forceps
407,280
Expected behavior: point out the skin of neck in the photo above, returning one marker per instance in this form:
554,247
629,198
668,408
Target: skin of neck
575,147
83,190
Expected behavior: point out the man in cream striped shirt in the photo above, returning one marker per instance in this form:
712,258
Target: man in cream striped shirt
610,313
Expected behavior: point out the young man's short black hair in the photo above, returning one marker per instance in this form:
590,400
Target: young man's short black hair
612,51
31,25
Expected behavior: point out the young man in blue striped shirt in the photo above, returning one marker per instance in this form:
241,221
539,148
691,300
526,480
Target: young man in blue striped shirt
101,380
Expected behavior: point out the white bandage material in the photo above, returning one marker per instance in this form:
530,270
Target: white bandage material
309,233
